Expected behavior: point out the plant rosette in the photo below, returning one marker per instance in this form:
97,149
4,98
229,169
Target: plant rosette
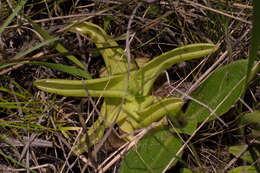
127,96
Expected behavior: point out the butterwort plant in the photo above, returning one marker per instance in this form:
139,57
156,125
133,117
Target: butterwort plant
127,88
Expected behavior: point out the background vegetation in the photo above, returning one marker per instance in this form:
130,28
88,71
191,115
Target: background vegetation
39,130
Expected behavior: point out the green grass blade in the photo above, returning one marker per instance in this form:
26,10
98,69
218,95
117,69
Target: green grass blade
64,68
57,45
10,18
255,39
11,92
24,125
2,66
14,105
21,90
21,54
16,162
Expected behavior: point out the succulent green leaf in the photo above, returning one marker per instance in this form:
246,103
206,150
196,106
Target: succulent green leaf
114,56
152,153
158,110
101,87
116,63
147,74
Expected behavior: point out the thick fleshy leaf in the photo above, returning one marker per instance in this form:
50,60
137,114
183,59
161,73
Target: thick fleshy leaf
114,56
116,63
147,74
152,153
102,87
158,110
131,117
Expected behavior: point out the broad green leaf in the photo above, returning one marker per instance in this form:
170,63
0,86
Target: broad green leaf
152,153
115,58
147,74
253,120
235,150
64,68
250,118
220,91
243,169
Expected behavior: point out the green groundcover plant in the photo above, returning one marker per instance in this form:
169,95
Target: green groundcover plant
139,108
